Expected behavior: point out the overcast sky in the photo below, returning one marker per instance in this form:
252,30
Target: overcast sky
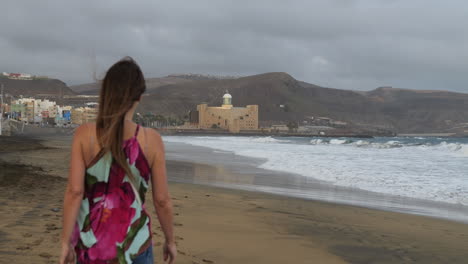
348,44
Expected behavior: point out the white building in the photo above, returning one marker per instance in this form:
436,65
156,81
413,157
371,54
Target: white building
34,110
45,108
18,76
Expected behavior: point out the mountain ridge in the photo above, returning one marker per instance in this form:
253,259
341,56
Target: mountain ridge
282,98
44,86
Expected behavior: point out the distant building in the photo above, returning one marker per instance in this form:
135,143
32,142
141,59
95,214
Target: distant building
313,129
46,108
33,110
23,109
82,115
335,123
228,117
63,116
18,76
279,128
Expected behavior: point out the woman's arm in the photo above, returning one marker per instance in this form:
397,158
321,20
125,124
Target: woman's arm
75,186
161,198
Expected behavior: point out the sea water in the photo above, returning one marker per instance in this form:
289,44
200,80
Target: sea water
427,168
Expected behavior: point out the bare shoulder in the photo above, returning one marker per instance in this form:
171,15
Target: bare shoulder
153,135
155,140
90,125
83,131
156,143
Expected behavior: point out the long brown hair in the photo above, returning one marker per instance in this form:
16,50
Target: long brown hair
122,86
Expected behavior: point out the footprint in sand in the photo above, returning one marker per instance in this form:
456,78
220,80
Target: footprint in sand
45,255
36,242
23,248
51,227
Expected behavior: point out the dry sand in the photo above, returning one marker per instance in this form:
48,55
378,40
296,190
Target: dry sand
215,225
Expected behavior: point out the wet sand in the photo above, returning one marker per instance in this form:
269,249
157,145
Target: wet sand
217,225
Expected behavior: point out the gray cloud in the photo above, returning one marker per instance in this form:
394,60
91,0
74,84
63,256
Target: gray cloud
349,44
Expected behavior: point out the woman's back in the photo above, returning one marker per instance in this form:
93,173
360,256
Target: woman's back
104,216
113,208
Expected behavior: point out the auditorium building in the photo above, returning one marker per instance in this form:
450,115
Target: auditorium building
226,116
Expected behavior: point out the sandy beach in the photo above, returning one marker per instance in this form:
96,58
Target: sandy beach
219,225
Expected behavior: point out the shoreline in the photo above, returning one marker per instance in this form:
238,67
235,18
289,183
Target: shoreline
197,132
243,173
353,234
35,129
219,225
394,204
207,167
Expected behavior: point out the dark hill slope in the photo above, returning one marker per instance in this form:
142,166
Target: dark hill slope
269,91
36,87
400,110
416,111
151,84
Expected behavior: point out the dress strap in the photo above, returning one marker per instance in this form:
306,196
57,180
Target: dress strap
136,130
91,141
146,142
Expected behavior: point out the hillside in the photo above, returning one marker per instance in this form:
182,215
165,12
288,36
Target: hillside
36,87
151,84
399,110
413,110
403,111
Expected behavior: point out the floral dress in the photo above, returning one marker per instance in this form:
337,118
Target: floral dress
112,225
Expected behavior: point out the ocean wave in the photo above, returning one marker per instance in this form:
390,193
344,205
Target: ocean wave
357,143
318,141
390,144
268,140
340,141
460,148
431,169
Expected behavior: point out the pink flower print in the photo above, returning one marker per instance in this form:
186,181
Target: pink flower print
131,147
110,218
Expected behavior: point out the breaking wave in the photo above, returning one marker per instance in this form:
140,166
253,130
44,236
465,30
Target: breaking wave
442,146
425,168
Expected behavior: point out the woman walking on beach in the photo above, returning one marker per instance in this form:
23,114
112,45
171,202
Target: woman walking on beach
113,162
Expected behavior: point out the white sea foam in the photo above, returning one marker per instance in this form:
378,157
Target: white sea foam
429,169
317,141
267,139
361,143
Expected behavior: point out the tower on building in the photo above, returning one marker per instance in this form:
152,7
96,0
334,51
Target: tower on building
227,99
227,117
